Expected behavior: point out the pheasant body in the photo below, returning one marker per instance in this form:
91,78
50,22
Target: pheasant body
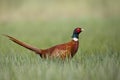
68,49
62,50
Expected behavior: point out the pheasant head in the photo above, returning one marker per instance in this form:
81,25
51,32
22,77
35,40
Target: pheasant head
76,33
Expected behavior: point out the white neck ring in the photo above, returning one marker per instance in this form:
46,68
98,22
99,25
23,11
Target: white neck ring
75,39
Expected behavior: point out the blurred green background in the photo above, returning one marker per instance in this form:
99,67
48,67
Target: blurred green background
12,10
44,23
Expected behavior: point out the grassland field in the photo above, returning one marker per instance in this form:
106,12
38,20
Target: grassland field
98,57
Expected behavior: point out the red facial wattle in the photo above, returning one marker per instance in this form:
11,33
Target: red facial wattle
78,30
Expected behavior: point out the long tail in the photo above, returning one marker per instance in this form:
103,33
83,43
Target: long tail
38,51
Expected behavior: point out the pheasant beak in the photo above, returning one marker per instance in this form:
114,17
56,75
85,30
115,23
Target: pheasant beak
82,30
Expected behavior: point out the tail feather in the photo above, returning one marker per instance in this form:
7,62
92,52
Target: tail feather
24,44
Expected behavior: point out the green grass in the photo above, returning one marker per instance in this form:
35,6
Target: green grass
98,57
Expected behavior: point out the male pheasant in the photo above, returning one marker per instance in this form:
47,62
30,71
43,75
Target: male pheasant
68,49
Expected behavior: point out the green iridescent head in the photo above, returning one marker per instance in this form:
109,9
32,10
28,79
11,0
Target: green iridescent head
76,32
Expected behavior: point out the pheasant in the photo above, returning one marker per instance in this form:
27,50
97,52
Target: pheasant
66,50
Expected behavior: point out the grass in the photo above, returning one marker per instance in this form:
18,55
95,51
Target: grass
98,57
